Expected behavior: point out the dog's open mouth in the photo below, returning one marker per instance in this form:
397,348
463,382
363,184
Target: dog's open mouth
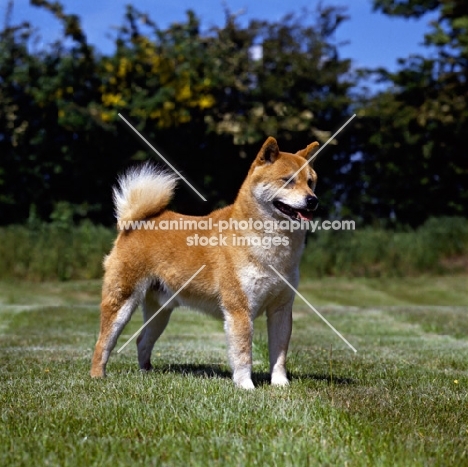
294,213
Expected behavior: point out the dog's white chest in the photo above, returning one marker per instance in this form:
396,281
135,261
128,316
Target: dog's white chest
260,287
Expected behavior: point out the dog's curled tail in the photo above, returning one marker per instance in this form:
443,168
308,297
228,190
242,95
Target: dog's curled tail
143,192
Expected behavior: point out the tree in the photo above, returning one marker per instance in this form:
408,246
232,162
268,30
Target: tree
206,99
49,153
414,134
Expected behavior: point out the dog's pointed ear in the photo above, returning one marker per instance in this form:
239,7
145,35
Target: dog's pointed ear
308,152
269,151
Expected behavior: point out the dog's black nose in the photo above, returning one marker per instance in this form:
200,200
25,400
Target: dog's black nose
312,202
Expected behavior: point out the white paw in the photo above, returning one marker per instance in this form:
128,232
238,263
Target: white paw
245,384
279,380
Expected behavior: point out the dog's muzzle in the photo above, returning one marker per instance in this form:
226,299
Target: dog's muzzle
312,202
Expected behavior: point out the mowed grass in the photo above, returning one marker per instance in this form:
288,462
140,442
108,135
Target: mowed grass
400,400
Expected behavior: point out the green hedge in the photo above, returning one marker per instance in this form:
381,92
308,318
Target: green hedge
61,251
50,251
375,252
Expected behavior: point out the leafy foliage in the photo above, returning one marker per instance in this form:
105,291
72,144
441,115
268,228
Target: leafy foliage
207,99
203,98
414,134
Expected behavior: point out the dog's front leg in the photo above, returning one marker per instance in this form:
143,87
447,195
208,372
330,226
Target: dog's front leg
239,330
279,333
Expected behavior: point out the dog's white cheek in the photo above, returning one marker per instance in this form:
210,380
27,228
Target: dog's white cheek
263,193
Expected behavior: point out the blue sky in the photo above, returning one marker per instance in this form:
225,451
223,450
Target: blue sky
374,39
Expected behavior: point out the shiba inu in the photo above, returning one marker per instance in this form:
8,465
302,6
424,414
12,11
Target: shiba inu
148,266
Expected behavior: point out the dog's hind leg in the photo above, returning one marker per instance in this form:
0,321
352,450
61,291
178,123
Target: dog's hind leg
116,311
153,330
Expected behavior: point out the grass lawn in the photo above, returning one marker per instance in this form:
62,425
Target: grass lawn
400,400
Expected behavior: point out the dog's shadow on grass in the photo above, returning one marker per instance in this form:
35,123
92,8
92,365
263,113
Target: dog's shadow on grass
258,378
194,369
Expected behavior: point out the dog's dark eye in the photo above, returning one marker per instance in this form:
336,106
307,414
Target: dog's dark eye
310,184
288,180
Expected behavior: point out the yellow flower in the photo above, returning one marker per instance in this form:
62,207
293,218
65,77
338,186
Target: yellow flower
109,67
124,67
155,62
110,100
107,116
184,93
184,118
206,101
